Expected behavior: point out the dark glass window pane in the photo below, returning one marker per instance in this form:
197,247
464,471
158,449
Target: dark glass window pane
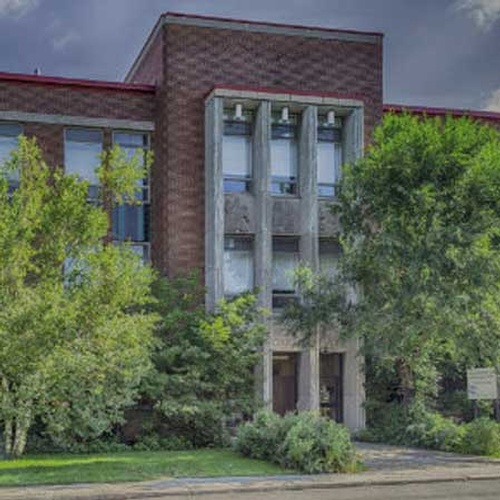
128,222
236,185
83,135
329,134
327,190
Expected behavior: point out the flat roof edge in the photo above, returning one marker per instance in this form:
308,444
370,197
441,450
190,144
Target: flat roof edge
269,27
74,82
433,111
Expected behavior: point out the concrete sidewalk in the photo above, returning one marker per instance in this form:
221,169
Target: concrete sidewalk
387,466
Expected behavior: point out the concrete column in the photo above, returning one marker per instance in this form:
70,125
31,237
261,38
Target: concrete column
353,136
354,377
309,357
214,202
354,389
263,236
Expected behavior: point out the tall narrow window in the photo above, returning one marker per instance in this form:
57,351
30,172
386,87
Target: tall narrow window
238,265
81,155
237,152
9,133
285,262
131,222
329,253
329,158
284,154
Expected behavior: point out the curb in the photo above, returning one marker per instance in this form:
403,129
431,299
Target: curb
134,491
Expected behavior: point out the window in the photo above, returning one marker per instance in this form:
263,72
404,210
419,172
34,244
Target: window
238,265
9,133
82,148
329,160
284,155
329,252
130,223
130,142
285,260
237,153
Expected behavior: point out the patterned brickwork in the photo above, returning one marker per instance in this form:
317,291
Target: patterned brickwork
150,68
69,100
197,59
51,140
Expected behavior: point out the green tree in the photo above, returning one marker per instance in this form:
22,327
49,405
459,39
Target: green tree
75,334
420,219
205,361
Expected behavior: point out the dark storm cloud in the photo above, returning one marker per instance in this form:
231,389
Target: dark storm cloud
437,52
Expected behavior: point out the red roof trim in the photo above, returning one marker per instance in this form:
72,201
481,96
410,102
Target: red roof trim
74,82
276,25
423,110
268,90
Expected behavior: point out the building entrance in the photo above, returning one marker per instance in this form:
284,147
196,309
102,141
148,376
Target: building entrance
284,382
331,385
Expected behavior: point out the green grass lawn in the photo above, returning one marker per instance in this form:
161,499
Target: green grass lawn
131,466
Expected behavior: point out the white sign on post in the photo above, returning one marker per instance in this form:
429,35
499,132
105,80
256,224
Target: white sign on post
482,383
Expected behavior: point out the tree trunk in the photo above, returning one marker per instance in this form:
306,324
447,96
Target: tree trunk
16,434
7,436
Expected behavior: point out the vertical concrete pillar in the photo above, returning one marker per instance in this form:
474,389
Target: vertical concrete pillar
214,202
263,237
354,377
354,387
309,357
353,136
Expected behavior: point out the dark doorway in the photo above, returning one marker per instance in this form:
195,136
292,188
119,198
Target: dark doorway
331,382
284,382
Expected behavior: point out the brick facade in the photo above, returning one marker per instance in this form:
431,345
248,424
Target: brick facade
197,58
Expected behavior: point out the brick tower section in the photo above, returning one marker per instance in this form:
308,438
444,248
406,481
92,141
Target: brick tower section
197,58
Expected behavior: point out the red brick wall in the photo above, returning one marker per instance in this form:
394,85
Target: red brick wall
150,69
71,100
50,138
198,58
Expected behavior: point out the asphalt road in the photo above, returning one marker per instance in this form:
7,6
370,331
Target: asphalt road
462,490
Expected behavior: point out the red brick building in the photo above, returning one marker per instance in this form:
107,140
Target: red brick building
249,123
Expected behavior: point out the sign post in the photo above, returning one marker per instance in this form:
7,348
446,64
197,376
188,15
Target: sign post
482,383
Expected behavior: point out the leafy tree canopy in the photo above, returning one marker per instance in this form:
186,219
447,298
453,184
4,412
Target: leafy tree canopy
420,219
75,334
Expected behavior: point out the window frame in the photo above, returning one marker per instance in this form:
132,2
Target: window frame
282,297
146,187
331,134
94,189
247,130
13,179
249,240
285,186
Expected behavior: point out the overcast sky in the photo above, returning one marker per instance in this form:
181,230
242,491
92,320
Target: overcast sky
437,52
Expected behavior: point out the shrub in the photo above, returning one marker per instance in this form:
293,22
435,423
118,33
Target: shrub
262,437
305,442
316,444
482,437
197,425
434,431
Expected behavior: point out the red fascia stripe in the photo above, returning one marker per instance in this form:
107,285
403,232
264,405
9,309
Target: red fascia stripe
74,82
276,25
429,111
